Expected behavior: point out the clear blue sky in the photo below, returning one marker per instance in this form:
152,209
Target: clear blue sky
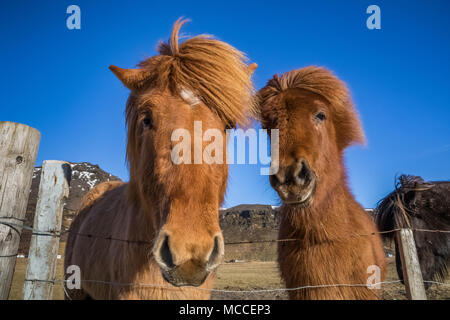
57,80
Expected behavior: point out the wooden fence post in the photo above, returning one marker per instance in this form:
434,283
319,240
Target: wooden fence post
18,151
412,275
42,259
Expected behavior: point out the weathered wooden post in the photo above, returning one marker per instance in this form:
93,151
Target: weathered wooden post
412,275
42,258
18,151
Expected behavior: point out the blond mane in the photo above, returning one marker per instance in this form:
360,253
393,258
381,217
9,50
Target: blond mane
213,70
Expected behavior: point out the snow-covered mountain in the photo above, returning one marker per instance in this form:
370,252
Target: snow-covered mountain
84,177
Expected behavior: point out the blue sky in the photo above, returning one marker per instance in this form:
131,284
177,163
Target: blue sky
57,80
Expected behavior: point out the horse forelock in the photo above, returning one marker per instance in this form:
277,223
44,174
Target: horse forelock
322,82
214,71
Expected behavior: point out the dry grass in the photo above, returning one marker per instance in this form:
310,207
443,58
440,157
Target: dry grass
20,271
254,275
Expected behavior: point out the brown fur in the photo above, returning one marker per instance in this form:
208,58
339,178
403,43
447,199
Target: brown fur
329,250
183,200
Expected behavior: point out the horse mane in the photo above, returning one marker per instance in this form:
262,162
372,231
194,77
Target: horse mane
213,70
418,204
320,81
396,209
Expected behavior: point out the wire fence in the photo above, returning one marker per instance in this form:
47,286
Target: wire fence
17,227
231,291
14,226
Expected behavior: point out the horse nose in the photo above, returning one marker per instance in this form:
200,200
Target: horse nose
179,267
298,174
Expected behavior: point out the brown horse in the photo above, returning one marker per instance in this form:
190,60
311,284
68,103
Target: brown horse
160,231
334,242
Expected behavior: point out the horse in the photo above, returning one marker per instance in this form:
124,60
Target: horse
326,239
158,236
422,206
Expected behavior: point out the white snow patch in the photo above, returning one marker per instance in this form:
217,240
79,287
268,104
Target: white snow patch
92,183
86,175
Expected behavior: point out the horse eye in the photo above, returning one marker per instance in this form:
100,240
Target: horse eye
320,116
147,122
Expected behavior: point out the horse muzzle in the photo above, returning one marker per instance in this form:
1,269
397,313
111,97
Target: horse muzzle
180,267
295,184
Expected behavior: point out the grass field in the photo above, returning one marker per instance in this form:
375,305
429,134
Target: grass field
16,292
244,276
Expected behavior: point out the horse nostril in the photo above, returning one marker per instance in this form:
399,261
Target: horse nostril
165,255
277,179
217,253
303,175
274,181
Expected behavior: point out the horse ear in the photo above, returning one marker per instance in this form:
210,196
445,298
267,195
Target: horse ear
131,78
349,129
251,68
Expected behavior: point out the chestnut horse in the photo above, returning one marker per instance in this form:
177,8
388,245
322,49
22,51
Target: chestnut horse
334,237
157,235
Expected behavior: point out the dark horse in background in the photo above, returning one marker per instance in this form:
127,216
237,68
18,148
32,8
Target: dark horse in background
420,205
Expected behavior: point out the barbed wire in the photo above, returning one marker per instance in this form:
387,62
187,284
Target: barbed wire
15,227
159,286
56,234
253,291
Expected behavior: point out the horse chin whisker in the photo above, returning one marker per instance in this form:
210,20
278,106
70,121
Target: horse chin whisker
305,201
301,204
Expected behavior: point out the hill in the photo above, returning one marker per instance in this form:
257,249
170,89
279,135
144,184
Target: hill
84,177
